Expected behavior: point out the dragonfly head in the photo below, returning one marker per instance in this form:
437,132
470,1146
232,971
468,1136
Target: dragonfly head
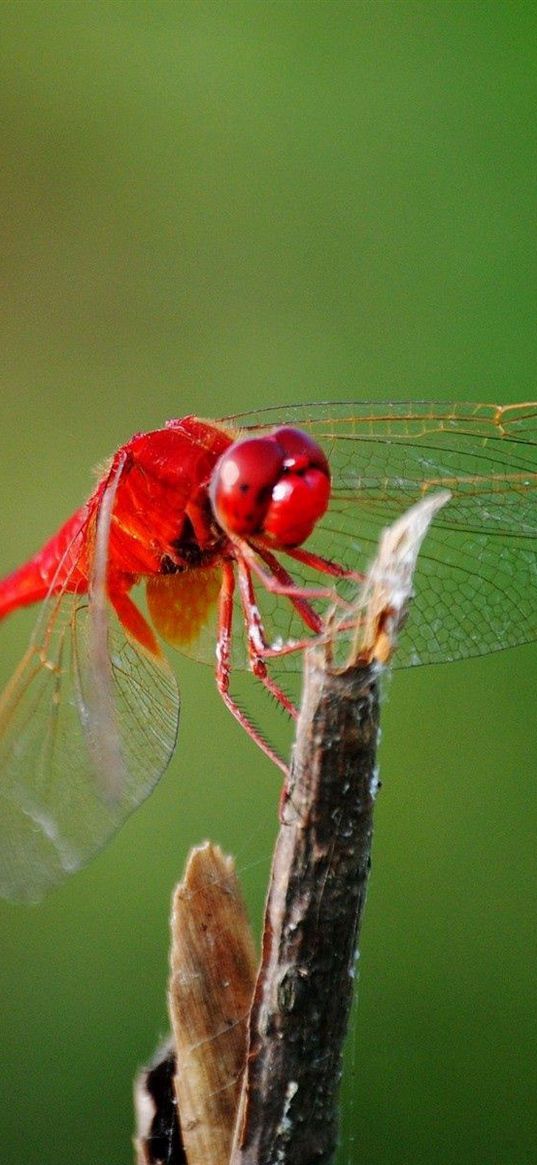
277,485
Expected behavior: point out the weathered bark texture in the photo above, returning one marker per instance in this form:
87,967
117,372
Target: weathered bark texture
288,1108
316,899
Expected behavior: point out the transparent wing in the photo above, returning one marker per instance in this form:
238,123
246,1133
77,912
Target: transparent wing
476,583
55,813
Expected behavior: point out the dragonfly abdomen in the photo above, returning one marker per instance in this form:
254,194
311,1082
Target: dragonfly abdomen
58,566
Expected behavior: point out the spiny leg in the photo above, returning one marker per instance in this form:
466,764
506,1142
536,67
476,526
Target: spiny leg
298,595
223,664
133,621
283,583
258,647
280,582
322,565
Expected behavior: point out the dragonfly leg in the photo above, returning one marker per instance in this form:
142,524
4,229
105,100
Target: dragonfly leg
295,594
133,621
223,664
280,582
323,565
258,647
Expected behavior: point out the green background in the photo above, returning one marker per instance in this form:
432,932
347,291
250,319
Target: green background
208,207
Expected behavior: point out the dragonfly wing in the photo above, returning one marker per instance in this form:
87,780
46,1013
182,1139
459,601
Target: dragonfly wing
476,582
55,812
100,714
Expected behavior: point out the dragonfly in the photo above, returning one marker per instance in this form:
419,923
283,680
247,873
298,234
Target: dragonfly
242,531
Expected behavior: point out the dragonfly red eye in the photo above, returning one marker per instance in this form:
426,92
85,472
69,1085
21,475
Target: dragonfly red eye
301,451
302,493
242,484
277,485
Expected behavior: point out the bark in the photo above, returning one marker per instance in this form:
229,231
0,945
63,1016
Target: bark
288,1113
317,895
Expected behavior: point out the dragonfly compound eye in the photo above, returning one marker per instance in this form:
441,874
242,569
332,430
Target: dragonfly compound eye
277,485
302,493
242,484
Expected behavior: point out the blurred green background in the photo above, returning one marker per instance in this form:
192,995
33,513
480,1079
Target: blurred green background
208,207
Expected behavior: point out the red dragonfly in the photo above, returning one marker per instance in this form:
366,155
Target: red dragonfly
212,517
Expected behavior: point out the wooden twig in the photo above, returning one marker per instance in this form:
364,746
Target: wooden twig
317,894
288,1108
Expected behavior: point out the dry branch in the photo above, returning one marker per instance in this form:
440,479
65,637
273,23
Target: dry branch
288,1113
316,899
